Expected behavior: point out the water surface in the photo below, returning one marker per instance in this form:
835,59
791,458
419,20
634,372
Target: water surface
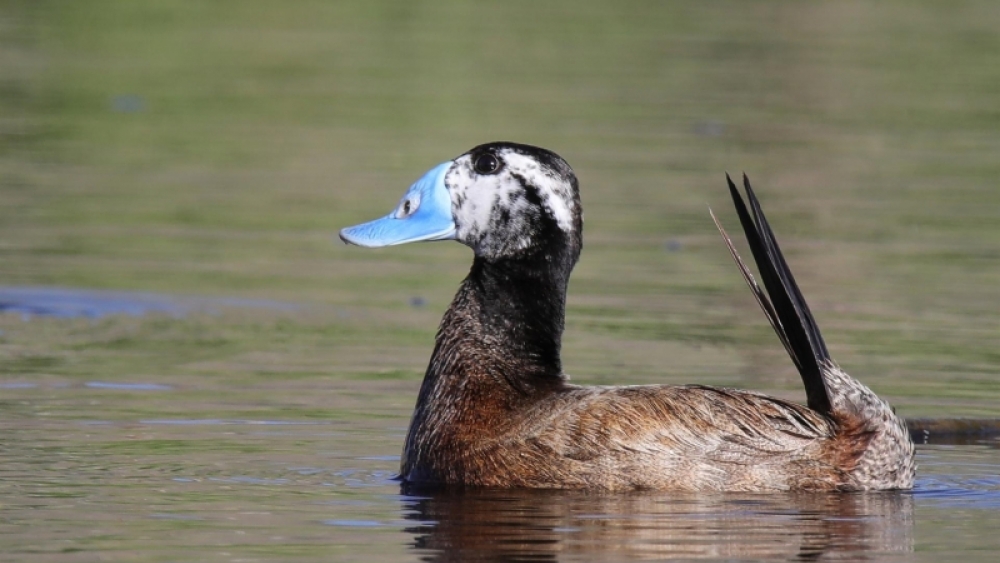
214,149
87,477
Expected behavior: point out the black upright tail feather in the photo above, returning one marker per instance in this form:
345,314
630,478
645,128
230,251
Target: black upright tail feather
786,309
787,279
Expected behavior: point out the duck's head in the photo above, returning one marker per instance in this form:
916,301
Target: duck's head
503,200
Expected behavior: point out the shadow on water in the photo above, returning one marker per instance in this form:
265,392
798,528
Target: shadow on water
551,525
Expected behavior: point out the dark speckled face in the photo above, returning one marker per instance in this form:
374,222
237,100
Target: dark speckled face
507,198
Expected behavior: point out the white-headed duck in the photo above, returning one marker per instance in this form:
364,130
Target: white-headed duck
496,410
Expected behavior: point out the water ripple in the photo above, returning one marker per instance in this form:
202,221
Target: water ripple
119,386
62,302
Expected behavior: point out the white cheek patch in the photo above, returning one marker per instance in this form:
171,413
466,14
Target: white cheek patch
471,202
493,214
496,216
555,192
513,215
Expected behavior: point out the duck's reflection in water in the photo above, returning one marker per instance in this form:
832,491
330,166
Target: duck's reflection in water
552,525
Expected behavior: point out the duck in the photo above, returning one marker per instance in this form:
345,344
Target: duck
496,410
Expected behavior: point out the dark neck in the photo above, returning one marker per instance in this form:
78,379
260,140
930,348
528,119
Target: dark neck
497,353
522,307
501,337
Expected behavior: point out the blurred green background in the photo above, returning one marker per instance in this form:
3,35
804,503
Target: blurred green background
215,148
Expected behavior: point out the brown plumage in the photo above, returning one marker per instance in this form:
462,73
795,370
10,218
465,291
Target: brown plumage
495,409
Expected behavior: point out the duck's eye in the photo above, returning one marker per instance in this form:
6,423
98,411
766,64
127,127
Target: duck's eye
487,164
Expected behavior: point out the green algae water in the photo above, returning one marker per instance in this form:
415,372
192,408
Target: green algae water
204,155
252,470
